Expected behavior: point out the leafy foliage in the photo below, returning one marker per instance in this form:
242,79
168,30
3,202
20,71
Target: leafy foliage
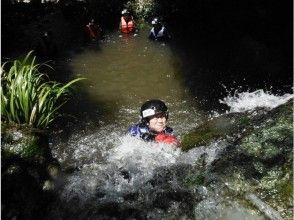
27,95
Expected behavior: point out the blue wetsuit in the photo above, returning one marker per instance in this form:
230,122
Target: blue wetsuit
142,131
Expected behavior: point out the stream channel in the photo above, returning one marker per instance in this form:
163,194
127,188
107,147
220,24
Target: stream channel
120,177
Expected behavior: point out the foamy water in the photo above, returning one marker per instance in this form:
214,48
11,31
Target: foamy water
113,165
246,101
117,163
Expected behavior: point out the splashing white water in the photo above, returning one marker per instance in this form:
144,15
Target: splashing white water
146,154
127,168
247,101
113,165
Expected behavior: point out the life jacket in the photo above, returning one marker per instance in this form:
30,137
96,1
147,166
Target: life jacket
127,27
166,136
160,33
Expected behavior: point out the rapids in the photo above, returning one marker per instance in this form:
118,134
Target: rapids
120,177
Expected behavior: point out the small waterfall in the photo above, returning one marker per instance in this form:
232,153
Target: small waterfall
131,174
122,177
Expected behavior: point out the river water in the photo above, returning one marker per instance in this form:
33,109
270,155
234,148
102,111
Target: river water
123,72
120,177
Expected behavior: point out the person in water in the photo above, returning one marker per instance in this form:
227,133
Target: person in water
93,31
153,125
46,48
127,24
158,31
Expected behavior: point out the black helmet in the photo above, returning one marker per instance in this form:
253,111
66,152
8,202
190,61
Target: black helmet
153,107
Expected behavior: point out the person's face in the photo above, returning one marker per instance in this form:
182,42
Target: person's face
157,123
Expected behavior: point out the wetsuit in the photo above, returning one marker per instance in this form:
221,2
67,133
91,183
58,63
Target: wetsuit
142,131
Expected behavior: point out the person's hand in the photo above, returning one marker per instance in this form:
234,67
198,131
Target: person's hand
166,138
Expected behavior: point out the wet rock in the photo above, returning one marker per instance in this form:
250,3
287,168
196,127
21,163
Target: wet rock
261,135
28,172
257,158
273,139
54,170
22,194
169,193
25,142
261,160
263,207
222,127
48,185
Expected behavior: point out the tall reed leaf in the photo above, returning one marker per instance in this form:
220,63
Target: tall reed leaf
27,95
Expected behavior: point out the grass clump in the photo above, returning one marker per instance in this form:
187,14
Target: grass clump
28,96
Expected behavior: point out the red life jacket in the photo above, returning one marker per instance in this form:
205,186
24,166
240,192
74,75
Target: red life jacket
127,27
166,138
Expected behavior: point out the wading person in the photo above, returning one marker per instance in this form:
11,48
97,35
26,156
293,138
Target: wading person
46,47
153,125
127,24
93,31
158,31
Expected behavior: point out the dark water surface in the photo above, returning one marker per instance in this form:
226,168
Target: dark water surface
191,76
123,72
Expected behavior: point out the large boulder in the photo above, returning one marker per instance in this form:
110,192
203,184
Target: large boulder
272,136
256,164
223,127
258,131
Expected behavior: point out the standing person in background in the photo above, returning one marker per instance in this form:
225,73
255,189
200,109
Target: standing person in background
158,31
153,125
93,31
127,24
46,48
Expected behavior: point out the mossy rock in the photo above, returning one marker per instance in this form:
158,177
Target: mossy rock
272,140
23,141
195,180
260,161
218,128
201,136
259,133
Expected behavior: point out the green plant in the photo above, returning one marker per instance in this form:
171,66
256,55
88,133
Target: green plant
27,95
